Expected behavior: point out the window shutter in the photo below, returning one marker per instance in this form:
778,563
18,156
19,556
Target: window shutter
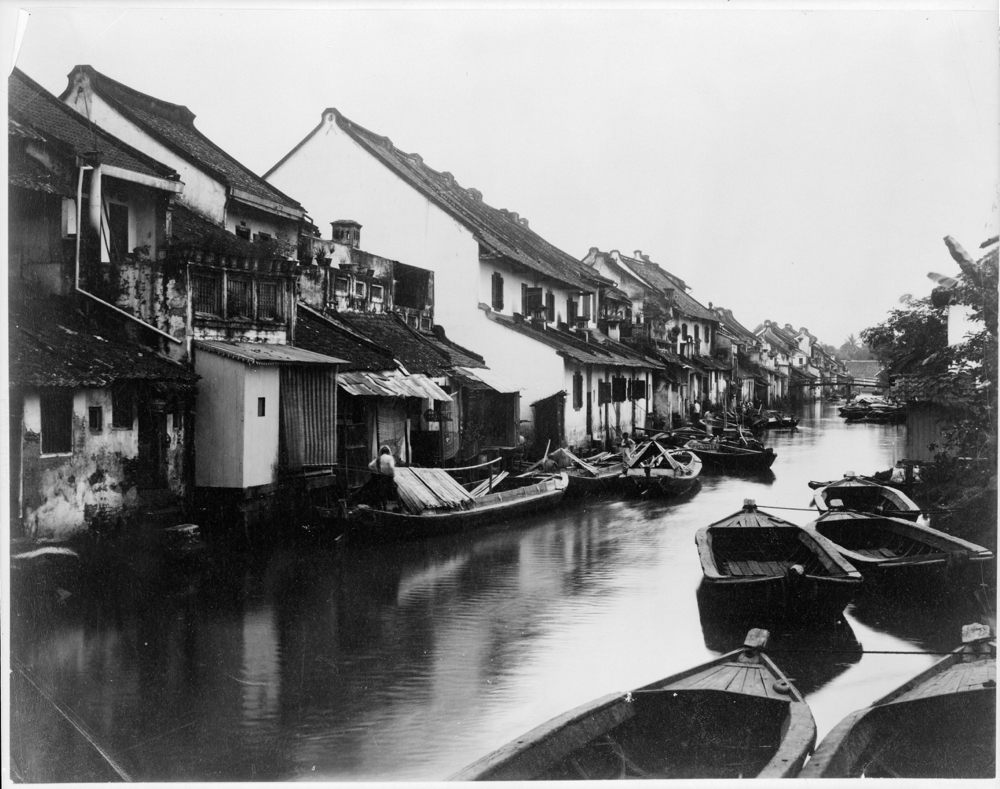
550,307
497,290
618,389
638,389
534,299
603,392
577,391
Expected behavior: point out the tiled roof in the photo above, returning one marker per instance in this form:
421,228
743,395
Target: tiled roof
28,173
501,231
457,355
602,352
323,336
408,346
954,390
30,105
728,320
864,368
173,125
776,336
53,343
664,280
266,354
797,374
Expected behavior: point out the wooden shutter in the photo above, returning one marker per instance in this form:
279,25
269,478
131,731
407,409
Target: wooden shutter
577,391
603,392
497,290
550,307
638,389
618,389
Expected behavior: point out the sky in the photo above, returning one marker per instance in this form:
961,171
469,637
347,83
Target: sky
801,165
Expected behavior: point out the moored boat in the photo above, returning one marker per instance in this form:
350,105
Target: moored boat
657,469
759,567
737,716
596,475
940,724
896,555
739,456
864,495
432,502
776,420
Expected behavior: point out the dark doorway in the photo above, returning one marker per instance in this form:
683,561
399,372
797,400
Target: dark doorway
549,415
151,468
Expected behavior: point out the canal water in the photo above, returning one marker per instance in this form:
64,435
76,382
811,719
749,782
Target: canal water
408,662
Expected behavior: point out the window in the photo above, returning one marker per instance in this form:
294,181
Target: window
57,422
378,293
95,419
619,389
550,306
684,332
425,323
532,301
497,297
697,334
570,311
603,392
268,301
239,298
638,389
242,231
577,391
262,236
206,294
587,306
261,406
122,407
359,289
340,285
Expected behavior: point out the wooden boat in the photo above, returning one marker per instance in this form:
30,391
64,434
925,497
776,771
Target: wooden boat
734,716
655,468
776,420
432,502
596,475
940,724
730,423
762,568
740,456
898,555
864,495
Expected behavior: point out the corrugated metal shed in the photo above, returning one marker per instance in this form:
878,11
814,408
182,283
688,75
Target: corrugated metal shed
370,384
260,353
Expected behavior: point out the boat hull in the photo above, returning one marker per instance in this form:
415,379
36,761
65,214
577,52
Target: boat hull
733,459
724,719
365,524
862,495
608,481
941,724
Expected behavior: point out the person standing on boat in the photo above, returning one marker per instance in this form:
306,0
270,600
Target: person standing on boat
384,468
627,447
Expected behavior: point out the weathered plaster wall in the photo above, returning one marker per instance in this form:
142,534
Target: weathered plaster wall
64,493
201,191
260,433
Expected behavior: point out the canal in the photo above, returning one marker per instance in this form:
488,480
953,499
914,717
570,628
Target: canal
408,662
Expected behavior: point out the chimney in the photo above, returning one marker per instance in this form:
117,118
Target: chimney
538,322
593,251
638,254
347,231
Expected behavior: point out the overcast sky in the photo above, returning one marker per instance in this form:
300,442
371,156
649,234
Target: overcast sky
799,165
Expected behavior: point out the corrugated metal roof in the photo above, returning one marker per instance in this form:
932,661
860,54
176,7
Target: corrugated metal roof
370,384
261,353
491,378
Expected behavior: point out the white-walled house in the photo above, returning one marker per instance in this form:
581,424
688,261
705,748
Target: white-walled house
526,305
224,290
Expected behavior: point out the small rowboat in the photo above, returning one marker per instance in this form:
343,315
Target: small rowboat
657,469
434,503
897,555
597,475
760,567
864,495
732,456
734,716
940,724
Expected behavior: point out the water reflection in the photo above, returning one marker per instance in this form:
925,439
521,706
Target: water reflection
409,661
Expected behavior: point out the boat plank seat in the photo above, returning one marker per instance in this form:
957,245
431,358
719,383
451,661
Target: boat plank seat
732,677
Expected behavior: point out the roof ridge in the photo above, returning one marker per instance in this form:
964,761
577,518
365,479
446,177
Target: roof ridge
186,119
350,330
119,144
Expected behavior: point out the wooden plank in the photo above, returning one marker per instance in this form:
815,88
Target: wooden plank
757,683
710,678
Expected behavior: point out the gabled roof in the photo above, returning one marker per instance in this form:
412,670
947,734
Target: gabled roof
456,355
866,368
502,232
173,126
737,329
665,281
32,107
54,343
776,335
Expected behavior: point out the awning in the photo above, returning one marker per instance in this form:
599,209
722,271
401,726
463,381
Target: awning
492,380
366,384
262,353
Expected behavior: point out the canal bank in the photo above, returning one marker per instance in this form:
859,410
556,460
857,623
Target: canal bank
408,662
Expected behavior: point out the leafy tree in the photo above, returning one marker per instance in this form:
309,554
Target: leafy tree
910,335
